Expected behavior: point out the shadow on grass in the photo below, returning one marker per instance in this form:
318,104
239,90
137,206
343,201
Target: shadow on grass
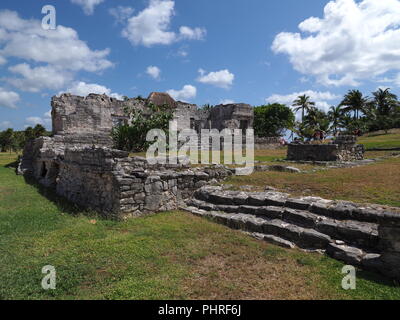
12,165
377,278
62,203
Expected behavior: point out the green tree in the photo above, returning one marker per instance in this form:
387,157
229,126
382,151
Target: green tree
272,120
385,102
39,131
29,134
317,120
7,140
304,104
132,137
335,115
355,102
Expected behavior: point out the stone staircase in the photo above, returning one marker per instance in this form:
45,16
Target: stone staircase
343,230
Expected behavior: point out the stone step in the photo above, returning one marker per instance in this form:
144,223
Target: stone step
287,235
362,234
272,239
301,237
337,210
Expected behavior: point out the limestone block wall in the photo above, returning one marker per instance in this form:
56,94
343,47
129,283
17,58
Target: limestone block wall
325,152
232,116
266,143
41,156
313,152
119,187
92,114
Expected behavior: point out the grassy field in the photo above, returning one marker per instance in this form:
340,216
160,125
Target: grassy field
171,255
375,183
380,140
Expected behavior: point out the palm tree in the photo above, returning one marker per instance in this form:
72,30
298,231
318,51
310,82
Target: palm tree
384,101
317,120
354,102
304,104
335,115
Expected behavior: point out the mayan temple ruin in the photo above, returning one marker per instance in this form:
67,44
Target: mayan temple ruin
80,163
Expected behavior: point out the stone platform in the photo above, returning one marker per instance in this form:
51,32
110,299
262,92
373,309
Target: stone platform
366,236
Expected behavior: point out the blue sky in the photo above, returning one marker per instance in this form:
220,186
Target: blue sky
252,51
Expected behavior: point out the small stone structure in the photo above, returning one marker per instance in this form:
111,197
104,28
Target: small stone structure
366,236
110,182
343,148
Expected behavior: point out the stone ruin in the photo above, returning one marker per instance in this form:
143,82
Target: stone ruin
343,148
79,163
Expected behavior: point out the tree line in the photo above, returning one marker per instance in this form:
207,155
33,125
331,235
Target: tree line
356,113
14,141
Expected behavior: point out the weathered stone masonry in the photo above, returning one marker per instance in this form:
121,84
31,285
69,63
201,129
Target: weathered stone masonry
119,186
344,148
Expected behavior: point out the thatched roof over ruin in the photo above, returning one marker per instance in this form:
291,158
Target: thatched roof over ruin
161,98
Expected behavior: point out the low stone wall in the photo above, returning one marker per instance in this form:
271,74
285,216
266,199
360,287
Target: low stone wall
344,148
40,153
118,186
266,143
312,152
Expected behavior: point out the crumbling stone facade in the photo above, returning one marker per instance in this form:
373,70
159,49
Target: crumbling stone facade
100,113
344,148
120,187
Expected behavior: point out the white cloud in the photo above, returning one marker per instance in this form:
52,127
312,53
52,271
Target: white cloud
226,101
8,99
33,121
121,13
192,34
83,89
182,52
61,48
39,78
153,72
5,125
87,5
54,56
44,121
186,93
152,26
321,99
352,42
47,114
223,79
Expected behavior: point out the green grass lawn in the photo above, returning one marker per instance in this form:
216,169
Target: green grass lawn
374,183
172,255
381,140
